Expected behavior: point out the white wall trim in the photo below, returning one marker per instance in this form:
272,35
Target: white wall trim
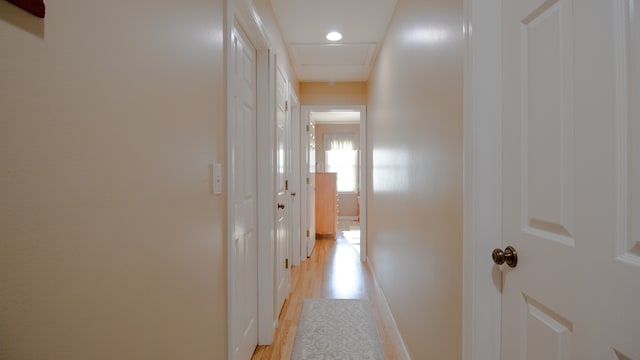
624,37
229,26
306,109
482,179
247,16
304,204
364,165
384,306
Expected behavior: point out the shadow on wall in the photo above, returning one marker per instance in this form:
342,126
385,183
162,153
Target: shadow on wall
11,14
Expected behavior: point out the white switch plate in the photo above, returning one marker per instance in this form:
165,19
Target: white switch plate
217,178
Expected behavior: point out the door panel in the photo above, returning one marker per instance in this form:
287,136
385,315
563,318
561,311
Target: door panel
244,304
283,157
547,123
537,180
564,179
548,335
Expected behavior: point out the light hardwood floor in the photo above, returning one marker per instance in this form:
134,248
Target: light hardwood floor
333,271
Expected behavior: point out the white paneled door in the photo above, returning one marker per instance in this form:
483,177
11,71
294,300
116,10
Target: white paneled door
244,296
571,179
283,150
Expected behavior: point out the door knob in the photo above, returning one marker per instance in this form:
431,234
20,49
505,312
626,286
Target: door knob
509,256
280,206
293,194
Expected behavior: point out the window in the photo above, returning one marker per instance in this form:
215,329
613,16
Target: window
341,157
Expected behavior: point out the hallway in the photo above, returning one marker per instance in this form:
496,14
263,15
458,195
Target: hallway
333,271
488,124
118,170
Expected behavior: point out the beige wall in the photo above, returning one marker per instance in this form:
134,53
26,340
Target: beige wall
347,202
415,111
111,243
340,93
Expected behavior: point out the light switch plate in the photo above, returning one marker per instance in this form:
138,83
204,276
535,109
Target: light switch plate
217,178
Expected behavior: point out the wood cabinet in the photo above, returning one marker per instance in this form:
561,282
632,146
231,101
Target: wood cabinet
326,204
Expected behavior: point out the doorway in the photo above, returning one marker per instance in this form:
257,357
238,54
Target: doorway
242,16
337,144
508,310
243,194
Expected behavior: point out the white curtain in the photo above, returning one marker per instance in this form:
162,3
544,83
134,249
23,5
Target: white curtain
339,141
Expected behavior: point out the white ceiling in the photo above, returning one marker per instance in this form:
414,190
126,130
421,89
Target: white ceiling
305,23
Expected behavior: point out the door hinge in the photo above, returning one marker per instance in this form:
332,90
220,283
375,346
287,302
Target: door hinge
286,184
308,233
286,106
307,127
308,182
286,263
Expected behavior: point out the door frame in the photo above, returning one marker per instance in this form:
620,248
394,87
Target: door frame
306,181
242,13
296,176
306,109
276,264
481,337
231,186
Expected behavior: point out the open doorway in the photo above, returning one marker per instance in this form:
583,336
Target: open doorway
339,148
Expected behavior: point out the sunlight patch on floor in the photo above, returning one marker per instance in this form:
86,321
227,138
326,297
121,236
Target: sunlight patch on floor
351,232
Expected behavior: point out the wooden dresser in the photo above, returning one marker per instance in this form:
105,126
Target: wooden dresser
326,204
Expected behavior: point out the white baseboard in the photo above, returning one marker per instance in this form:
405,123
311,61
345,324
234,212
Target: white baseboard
354,218
387,310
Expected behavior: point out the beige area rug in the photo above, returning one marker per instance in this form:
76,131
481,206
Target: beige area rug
336,329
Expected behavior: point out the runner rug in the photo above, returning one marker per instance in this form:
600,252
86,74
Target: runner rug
336,329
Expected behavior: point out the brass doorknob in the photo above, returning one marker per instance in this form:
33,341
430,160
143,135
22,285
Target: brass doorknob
509,256
280,206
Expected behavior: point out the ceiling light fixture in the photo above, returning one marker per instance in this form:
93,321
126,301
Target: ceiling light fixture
334,36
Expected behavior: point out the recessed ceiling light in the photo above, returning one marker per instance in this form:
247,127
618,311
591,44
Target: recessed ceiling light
334,36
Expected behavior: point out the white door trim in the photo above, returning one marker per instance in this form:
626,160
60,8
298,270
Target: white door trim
482,178
296,176
242,13
363,183
267,322
282,140
306,109
304,186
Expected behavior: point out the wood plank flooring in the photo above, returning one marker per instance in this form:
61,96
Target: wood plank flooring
333,271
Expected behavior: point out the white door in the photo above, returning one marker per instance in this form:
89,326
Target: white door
244,258
311,185
571,179
294,184
282,194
